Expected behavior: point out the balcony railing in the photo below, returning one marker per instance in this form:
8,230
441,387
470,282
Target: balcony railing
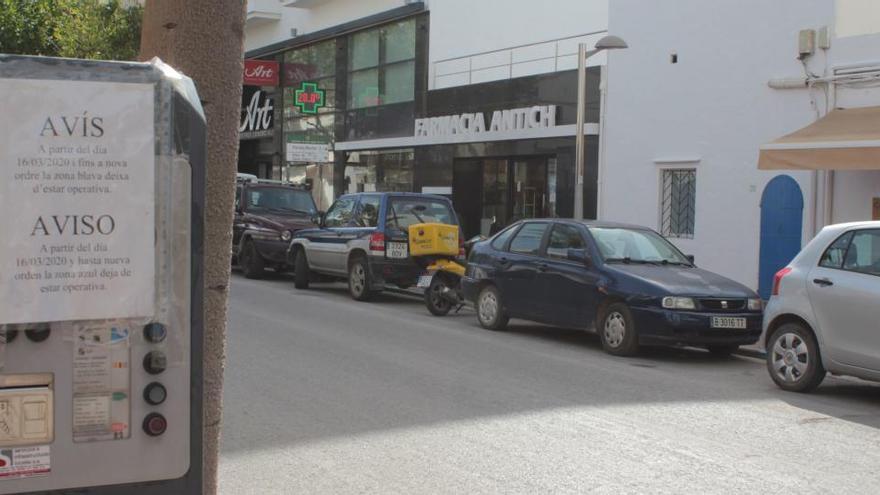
516,61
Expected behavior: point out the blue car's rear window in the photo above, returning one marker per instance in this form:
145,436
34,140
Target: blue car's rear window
403,212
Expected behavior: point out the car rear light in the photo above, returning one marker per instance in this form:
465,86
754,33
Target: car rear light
461,253
377,241
777,279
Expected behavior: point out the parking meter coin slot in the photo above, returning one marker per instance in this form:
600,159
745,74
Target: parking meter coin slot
155,424
155,362
155,332
155,393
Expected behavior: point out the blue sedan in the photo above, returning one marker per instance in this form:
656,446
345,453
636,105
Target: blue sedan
627,282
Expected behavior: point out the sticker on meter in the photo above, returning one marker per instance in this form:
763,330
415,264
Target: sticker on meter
24,462
101,381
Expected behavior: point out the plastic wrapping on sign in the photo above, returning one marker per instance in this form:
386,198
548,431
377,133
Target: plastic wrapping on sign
79,286
96,272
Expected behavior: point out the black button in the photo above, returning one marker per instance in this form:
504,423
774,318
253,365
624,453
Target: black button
155,393
37,334
155,362
155,332
155,424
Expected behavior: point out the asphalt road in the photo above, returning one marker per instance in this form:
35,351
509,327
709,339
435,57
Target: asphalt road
327,395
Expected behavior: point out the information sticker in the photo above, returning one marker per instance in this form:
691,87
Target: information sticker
24,462
101,382
77,164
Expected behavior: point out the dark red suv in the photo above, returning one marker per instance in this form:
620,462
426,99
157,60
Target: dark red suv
267,214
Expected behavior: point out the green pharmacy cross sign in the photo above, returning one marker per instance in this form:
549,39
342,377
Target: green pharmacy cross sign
309,98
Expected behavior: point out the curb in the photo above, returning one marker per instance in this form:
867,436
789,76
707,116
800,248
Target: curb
752,352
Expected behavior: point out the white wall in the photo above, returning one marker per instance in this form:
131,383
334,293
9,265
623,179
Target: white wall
857,17
853,195
713,104
465,27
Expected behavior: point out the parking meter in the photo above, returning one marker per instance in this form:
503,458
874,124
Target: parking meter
101,207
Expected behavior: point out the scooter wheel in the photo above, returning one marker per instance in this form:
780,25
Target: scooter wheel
435,300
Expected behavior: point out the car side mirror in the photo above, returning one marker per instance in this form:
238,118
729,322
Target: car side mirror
690,258
318,218
579,256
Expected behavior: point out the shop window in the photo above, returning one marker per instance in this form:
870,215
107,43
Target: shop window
400,82
390,170
310,63
311,69
381,65
678,206
399,41
364,50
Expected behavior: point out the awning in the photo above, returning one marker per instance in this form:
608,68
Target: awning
842,140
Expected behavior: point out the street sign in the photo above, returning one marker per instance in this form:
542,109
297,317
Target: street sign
101,201
308,152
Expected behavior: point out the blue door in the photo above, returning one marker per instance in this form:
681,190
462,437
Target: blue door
782,213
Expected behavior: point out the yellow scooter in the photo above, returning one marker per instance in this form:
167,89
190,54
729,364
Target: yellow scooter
438,249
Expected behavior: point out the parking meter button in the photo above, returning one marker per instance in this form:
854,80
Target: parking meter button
37,334
155,393
155,424
155,332
155,362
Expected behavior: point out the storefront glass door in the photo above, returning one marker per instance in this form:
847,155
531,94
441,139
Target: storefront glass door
492,193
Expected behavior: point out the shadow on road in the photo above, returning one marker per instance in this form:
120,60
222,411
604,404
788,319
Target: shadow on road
338,368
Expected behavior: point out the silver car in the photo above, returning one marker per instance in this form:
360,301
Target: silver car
824,314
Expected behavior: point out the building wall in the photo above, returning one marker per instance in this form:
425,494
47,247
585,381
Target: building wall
460,28
713,106
713,109
857,17
323,15
857,36
465,27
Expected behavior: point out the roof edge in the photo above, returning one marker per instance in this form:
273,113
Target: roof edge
338,30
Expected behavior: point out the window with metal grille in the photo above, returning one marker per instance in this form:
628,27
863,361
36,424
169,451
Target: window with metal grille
679,202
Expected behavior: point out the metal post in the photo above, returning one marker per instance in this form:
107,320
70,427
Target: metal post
579,133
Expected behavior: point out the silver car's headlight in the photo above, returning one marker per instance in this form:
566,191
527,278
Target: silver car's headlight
679,303
756,305
286,235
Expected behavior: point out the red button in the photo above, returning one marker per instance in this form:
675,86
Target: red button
155,424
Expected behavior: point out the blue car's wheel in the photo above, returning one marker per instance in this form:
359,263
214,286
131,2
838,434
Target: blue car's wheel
490,309
617,331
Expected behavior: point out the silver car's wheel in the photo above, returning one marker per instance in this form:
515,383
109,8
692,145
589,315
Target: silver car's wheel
615,329
358,279
793,358
790,357
359,283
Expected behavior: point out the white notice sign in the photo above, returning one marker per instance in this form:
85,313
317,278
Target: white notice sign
76,200
308,153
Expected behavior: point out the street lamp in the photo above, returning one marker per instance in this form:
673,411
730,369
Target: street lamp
607,43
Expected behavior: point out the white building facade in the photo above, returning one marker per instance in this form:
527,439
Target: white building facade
690,104
476,100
